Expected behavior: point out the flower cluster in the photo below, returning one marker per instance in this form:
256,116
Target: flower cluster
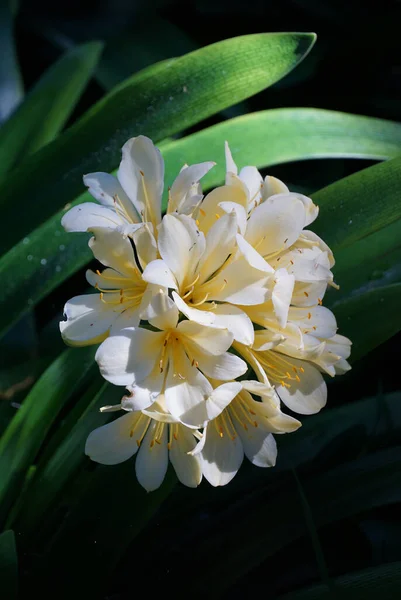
210,316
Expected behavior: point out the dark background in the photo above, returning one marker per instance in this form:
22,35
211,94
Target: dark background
355,66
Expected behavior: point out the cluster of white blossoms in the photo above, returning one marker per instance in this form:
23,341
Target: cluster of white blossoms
210,316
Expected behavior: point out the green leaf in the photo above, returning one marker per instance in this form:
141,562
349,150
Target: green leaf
48,256
359,205
47,107
370,318
63,456
8,565
370,263
282,135
192,88
11,87
26,432
383,582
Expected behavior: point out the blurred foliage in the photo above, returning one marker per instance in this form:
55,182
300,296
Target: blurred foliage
325,523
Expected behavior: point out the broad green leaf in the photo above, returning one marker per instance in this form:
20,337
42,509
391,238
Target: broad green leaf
26,432
192,88
41,261
11,86
370,318
372,262
359,205
47,107
282,135
48,256
382,582
63,455
8,565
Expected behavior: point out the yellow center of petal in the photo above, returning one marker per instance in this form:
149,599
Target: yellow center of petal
278,369
128,295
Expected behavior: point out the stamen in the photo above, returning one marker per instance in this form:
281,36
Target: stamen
201,301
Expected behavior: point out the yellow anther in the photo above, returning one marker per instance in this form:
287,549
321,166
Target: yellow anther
202,212
309,315
217,216
306,294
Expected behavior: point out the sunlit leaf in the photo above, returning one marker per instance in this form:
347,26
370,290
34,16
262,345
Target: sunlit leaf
183,93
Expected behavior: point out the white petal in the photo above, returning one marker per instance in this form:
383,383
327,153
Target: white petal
236,321
309,395
181,245
276,223
224,316
113,250
282,294
183,183
164,312
159,273
220,242
254,182
259,445
339,344
240,213
89,214
273,186
231,167
311,210
203,317
206,340
128,317
113,443
256,387
221,397
317,320
152,460
187,467
88,320
145,392
186,391
129,356
224,367
141,174
252,257
108,191
221,456
211,210
237,283
108,279
308,294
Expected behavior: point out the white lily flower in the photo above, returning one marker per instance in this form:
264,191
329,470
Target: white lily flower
245,427
123,296
210,274
134,196
158,437
271,220
290,358
176,362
